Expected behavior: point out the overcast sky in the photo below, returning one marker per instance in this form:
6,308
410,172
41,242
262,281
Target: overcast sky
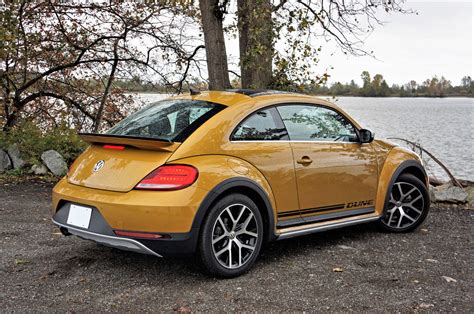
437,41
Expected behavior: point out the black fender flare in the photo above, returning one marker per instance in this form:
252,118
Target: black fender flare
400,169
224,186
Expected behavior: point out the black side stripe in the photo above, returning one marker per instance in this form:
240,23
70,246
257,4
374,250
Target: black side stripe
324,217
311,210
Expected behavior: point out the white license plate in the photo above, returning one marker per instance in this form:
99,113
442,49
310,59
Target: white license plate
79,216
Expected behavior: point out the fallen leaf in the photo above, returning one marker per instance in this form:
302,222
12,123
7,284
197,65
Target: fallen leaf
337,270
449,279
183,309
425,305
345,247
21,261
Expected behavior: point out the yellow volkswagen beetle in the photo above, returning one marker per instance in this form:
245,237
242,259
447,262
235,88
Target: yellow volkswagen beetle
218,174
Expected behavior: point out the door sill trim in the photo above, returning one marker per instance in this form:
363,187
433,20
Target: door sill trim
325,226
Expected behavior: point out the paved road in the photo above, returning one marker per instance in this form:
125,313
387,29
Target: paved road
41,270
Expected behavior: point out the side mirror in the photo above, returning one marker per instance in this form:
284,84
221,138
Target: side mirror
366,136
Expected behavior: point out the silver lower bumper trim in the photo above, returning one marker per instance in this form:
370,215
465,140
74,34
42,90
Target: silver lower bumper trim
296,233
115,242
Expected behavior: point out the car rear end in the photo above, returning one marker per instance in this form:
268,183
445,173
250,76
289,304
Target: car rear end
121,191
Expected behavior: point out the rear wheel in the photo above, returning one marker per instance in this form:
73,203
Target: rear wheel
231,237
408,205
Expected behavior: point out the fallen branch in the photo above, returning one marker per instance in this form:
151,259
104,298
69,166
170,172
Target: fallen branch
453,179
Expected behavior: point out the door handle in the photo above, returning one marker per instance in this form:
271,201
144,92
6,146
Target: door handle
305,160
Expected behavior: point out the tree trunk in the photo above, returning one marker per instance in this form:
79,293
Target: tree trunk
100,110
12,109
10,121
212,16
6,106
255,42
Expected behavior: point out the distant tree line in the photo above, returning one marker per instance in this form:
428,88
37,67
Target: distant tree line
371,87
378,87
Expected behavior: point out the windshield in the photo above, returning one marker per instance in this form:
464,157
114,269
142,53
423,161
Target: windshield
171,120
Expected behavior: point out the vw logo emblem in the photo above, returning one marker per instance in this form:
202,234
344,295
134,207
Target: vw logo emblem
99,165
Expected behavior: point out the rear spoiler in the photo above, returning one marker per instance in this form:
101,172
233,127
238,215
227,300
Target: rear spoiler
131,141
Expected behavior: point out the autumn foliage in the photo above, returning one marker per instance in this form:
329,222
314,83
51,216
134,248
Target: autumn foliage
59,61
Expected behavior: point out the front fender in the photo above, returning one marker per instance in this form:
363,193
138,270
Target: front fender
398,160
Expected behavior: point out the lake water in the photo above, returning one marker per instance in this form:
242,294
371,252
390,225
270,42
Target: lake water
443,126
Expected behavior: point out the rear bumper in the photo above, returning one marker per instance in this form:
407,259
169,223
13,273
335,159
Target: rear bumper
99,231
111,241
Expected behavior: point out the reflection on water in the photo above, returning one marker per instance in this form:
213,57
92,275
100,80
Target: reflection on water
444,126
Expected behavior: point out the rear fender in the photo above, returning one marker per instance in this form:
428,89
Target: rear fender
219,174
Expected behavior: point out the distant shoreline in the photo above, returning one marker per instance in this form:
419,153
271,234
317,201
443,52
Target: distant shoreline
395,96
329,95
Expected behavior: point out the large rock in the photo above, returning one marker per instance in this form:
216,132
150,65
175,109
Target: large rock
5,163
39,169
15,157
448,193
55,162
470,196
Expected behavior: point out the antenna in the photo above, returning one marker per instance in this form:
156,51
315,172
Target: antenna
194,91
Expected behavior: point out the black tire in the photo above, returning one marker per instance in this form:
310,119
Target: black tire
398,197
212,229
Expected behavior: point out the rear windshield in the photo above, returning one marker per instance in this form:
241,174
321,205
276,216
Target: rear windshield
171,120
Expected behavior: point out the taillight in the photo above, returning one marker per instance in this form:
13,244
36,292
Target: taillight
169,177
115,147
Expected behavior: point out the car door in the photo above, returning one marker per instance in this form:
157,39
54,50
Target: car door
336,175
262,140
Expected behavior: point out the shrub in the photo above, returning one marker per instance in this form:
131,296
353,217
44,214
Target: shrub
32,142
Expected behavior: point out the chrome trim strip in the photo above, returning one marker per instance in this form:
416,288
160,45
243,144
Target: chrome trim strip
116,242
296,233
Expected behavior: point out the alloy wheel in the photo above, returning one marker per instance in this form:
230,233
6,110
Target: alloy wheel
234,236
406,205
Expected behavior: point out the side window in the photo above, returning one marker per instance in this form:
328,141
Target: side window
263,125
314,123
196,113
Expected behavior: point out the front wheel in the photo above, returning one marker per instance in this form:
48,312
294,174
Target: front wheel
408,205
232,236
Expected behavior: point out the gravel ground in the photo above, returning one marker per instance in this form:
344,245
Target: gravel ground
43,271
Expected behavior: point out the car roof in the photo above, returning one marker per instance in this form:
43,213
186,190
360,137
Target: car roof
237,97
